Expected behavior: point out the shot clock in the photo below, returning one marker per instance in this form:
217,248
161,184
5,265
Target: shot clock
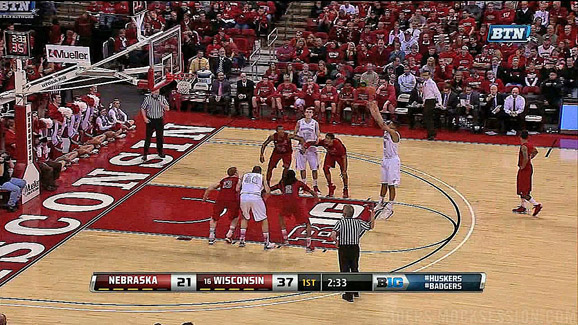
17,44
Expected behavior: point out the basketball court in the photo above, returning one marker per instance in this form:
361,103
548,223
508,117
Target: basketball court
115,213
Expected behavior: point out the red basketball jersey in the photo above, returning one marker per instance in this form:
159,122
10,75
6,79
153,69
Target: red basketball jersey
530,148
228,186
291,191
282,143
337,149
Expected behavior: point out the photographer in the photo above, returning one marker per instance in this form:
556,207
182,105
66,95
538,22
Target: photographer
9,183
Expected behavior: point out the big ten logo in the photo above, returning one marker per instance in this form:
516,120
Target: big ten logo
323,217
390,282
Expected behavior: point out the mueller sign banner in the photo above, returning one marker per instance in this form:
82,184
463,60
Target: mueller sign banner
68,54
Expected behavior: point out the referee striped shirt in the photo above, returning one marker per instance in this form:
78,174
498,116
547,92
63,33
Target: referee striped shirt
350,230
154,106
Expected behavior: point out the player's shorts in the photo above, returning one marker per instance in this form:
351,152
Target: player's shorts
297,211
391,171
328,103
287,101
331,160
310,101
255,204
310,157
360,102
220,206
269,100
524,181
275,157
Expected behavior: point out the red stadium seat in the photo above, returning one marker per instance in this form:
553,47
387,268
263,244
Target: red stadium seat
306,34
298,66
313,66
243,45
207,40
248,32
311,25
233,31
359,69
282,65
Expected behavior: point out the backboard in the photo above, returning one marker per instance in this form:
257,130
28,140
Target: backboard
165,57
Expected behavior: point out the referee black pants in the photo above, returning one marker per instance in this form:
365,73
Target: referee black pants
158,125
429,116
348,260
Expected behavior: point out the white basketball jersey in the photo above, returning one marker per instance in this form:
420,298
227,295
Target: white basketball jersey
390,147
308,131
252,184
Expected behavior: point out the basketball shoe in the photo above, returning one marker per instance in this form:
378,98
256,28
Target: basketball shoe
332,188
309,249
520,209
242,243
316,189
345,193
269,246
211,241
537,209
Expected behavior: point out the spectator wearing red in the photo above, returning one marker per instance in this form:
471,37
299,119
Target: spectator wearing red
568,36
380,54
468,22
491,80
475,80
322,73
244,17
362,96
71,38
274,74
531,81
157,21
301,51
318,52
203,26
464,59
386,99
222,37
55,34
363,55
310,95
286,94
425,43
350,54
121,41
346,97
83,26
334,54
285,53
458,82
264,94
507,15
328,98
491,16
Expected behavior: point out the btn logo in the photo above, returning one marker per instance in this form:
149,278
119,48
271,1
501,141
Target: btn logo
509,33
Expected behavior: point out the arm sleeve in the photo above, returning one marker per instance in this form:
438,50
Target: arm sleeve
365,225
337,227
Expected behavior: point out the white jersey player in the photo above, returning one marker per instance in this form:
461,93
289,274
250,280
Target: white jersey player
308,129
251,186
390,164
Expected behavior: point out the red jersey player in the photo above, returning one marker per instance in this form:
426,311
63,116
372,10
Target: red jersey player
328,97
336,153
228,199
264,93
525,170
281,151
291,205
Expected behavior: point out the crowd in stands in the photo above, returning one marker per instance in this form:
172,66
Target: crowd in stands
68,129
378,50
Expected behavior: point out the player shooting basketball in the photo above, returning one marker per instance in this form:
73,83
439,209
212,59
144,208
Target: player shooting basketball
228,199
390,164
282,150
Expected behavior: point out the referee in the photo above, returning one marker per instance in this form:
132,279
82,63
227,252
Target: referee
346,234
153,109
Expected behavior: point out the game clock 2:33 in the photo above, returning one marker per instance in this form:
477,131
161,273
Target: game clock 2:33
17,44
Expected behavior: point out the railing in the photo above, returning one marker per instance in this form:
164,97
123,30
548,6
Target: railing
254,59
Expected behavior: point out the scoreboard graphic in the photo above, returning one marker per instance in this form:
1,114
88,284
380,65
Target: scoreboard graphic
287,282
